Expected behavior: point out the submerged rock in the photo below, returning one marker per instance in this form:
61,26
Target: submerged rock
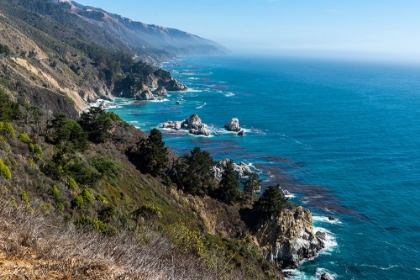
289,238
193,124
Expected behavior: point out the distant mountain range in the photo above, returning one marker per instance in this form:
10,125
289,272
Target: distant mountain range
60,55
144,37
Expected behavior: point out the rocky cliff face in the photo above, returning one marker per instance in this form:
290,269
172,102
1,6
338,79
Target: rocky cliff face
289,238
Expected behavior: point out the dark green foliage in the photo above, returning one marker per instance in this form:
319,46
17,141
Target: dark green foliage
148,211
229,185
192,172
152,155
272,201
82,173
4,49
67,132
251,186
8,110
96,224
105,166
97,123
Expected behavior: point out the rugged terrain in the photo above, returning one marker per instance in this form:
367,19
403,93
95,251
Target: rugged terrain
85,194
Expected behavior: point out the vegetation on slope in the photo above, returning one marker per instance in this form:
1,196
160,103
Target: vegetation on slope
116,192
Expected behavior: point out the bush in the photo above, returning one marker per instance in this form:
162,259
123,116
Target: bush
55,193
72,183
24,138
36,150
5,171
148,211
24,196
87,196
96,224
6,129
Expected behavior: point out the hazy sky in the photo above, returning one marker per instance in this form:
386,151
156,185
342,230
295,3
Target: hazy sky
379,28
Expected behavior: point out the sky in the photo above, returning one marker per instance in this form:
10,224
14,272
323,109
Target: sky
387,29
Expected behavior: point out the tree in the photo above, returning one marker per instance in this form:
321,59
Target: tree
97,123
152,155
193,174
272,201
229,185
252,185
63,131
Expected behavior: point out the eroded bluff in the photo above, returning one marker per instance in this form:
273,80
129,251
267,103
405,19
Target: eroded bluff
289,238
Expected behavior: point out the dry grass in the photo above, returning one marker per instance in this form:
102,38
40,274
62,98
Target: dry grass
33,247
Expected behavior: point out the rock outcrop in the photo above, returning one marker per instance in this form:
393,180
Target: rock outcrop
147,94
160,91
233,125
193,124
174,85
241,169
289,238
326,276
144,95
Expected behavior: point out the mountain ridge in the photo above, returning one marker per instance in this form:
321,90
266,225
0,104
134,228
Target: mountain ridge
139,35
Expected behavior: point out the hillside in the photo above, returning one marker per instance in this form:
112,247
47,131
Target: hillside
62,67
84,194
144,38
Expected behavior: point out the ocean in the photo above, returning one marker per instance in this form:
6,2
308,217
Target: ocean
342,137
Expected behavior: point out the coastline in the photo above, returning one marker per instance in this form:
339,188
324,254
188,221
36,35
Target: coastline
286,180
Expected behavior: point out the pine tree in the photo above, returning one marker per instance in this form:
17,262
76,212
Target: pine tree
272,201
192,172
252,185
152,153
229,185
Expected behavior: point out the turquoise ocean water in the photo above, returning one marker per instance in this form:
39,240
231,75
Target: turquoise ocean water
343,137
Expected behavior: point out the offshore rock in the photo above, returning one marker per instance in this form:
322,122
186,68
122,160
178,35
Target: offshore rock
233,125
174,85
241,170
289,238
241,133
193,124
326,276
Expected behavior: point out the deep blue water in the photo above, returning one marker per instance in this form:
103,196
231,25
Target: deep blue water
343,137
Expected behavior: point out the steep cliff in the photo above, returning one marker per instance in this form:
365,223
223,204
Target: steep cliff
289,238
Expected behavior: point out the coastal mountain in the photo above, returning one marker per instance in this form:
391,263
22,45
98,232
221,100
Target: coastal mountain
143,37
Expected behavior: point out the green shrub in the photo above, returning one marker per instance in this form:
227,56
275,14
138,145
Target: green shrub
96,224
72,183
101,198
78,201
24,138
87,196
4,145
24,196
55,193
148,211
36,150
5,171
31,163
6,129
